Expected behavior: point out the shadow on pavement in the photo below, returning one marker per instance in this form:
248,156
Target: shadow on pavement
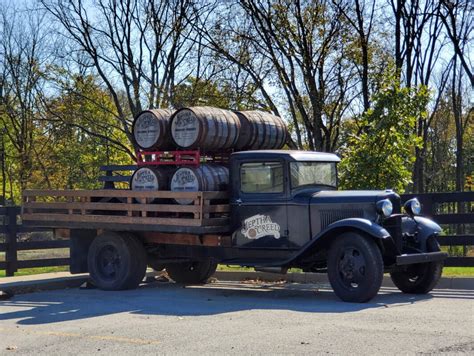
215,298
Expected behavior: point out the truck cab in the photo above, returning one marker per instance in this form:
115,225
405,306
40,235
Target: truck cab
288,201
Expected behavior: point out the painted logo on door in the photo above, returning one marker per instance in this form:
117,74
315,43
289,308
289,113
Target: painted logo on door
258,226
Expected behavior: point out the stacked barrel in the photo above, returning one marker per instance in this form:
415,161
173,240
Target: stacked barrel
207,129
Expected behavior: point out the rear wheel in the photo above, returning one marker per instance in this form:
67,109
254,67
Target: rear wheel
116,261
355,267
422,277
191,272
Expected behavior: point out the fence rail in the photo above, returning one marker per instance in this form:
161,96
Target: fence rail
461,220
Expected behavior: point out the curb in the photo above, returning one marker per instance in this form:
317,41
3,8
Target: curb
44,282
444,283
64,280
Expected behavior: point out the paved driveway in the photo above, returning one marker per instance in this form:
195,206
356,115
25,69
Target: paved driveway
235,318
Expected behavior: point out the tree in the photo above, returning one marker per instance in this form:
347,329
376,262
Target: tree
135,47
298,49
79,134
24,45
382,155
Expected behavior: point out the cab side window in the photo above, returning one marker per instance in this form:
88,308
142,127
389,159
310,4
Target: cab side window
261,177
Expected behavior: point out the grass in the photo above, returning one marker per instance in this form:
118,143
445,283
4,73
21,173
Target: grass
458,272
38,270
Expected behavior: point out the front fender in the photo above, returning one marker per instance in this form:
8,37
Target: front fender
420,227
321,239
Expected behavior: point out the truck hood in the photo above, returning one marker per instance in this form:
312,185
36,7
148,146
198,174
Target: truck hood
353,196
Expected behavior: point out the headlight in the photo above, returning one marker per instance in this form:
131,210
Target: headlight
412,207
384,207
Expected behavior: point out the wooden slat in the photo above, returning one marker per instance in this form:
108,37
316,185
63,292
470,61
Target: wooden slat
111,193
51,218
216,195
454,218
3,247
118,168
3,265
221,208
459,262
456,240
187,239
24,228
47,262
450,197
3,229
215,222
114,206
114,178
42,245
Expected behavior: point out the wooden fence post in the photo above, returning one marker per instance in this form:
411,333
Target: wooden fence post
11,255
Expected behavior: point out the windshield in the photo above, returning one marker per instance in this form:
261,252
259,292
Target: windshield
313,173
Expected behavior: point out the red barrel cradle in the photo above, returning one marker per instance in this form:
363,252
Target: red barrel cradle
206,128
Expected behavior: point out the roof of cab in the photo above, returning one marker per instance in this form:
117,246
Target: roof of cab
292,155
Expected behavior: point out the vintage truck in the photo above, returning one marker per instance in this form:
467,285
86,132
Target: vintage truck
281,210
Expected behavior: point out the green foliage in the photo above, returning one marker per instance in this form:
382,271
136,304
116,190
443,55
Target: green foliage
78,138
382,154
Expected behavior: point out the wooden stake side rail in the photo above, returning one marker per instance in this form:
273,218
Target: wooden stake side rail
55,208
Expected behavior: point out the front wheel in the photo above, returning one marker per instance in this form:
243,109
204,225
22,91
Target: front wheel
420,278
355,267
195,272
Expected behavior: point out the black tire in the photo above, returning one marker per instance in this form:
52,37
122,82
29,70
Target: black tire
196,272
116,261
355,267
420,278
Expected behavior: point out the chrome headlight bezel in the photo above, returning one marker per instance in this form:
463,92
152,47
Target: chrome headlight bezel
384,207
412,207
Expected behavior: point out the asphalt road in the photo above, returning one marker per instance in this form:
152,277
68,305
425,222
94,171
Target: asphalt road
235,318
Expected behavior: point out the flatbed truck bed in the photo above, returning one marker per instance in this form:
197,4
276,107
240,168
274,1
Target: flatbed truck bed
127,210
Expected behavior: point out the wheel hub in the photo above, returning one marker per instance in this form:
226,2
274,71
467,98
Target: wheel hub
352,267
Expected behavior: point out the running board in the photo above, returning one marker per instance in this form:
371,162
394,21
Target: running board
409,259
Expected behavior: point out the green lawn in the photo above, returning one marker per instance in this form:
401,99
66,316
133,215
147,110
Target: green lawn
28,271
458,272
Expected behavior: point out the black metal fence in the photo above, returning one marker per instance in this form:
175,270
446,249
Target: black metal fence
12,230
454,211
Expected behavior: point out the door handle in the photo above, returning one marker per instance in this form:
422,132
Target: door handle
239,202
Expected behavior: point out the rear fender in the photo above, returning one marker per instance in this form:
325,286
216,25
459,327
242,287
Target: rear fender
323,239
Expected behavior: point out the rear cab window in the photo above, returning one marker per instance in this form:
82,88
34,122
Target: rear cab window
261,177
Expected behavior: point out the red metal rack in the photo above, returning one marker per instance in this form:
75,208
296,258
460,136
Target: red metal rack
158,158
181,158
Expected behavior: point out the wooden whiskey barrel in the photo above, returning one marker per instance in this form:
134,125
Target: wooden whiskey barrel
151,129
260,130
208,177
205,127
146,178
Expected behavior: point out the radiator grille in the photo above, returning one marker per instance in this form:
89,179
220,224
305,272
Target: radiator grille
330,216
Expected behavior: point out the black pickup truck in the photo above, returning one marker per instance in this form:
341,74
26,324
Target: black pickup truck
282,210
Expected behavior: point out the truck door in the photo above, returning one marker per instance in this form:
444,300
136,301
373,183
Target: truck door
259,205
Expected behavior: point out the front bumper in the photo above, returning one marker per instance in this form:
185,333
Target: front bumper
408,259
